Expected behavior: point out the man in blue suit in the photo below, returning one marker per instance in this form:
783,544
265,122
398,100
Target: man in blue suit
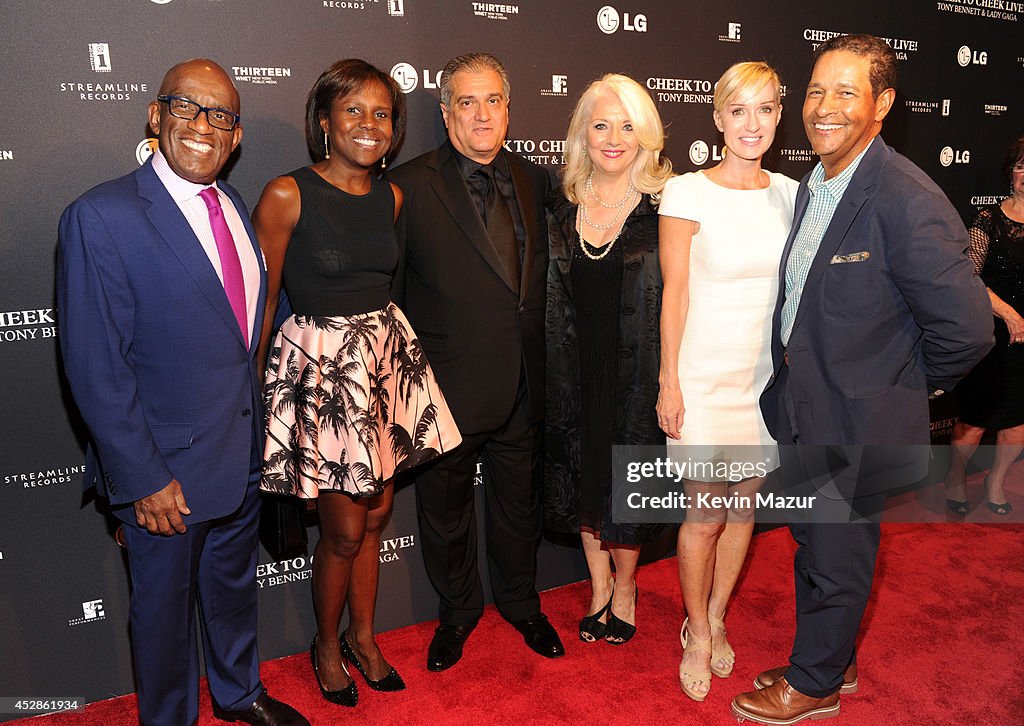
161,289
878,307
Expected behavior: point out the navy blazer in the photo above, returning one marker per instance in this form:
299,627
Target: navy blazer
891,310
152,350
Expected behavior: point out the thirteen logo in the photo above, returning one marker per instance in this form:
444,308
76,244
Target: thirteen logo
396,7
405,76
99,57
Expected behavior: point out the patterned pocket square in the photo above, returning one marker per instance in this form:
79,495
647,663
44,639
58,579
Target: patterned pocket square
855,257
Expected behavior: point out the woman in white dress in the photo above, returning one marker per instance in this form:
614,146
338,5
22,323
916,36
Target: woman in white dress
722,232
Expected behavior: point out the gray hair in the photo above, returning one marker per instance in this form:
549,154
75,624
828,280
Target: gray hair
472,63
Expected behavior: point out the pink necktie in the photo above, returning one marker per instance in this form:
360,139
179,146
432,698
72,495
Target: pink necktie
231,268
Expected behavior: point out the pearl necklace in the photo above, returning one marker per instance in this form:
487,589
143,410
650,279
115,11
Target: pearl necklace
620,205
611,243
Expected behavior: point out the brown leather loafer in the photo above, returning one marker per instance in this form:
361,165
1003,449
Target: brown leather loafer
781,705
767,678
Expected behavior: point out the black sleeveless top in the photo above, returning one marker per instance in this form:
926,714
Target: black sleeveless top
343,251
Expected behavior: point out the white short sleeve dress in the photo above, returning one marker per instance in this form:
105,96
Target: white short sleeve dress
725,355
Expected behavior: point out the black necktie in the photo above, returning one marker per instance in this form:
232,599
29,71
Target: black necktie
500,227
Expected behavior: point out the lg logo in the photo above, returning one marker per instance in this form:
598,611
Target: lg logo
965,57
608,21
700,152
948,156
407,77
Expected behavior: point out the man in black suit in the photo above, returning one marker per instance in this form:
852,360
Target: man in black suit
878,306
472,282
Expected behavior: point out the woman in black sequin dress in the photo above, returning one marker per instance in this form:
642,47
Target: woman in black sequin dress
992,395
604,297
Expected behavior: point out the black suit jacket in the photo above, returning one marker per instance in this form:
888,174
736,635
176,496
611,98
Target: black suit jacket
477,332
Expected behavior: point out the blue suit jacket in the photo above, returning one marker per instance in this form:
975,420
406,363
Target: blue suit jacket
152,350
891,309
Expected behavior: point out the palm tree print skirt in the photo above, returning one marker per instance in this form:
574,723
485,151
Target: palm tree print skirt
350,401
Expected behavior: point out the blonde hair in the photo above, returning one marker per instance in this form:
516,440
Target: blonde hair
649,170
746,76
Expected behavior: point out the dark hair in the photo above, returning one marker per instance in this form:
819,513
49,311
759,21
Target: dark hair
882,58
472,63
1014,154
341,79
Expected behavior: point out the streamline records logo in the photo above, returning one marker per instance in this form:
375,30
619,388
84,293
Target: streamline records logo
99,61
260,75
99,57
348,4
494,11
43,477
92,612
798,155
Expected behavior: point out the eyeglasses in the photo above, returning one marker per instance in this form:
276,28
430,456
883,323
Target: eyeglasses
219,118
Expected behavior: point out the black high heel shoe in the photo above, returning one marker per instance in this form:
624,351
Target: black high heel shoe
348,696
619,631
591,627
391,682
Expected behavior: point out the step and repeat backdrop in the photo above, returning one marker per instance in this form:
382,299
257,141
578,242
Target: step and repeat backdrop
77,78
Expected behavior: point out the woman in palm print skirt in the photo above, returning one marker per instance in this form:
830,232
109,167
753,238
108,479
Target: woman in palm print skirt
350,399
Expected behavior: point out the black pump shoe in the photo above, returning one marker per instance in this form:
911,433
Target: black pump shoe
348,696
391,682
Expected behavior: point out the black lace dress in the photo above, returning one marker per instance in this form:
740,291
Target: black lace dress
992,395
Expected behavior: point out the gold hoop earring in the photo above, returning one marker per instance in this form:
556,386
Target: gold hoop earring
327,148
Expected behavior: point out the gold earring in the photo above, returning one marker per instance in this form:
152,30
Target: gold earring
327,148
384,162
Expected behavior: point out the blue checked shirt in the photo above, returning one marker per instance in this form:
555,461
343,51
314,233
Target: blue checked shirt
824,198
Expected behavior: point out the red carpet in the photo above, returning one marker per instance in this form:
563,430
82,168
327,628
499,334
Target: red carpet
942,644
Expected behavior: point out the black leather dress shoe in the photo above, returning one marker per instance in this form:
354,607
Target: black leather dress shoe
446,647
540,636
265,711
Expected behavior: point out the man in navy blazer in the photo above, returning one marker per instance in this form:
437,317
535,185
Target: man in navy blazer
161,289
878,307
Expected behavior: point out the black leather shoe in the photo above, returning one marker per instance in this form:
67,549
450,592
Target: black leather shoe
446,647
540,636
391,682
265,711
